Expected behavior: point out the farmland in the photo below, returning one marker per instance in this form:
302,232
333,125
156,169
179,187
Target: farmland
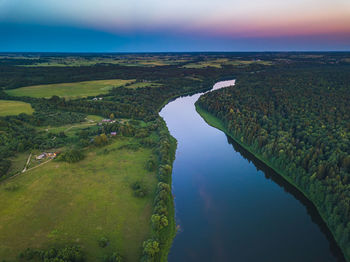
77,89
8,108
69,90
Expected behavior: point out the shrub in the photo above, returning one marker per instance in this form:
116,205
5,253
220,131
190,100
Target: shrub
101,140
139,188
103,242
151,164
115,257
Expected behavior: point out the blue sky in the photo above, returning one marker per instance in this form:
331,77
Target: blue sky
182,25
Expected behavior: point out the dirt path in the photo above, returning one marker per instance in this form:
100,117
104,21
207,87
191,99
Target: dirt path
69,128
28,160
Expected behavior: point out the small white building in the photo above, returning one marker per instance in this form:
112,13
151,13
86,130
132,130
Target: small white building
40,157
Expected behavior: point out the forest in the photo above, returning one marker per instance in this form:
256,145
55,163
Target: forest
297,120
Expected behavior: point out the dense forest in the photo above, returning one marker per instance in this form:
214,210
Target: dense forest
298,121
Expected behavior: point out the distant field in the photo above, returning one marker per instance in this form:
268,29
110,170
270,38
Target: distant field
69,90
81,61
8,108
60,203
218,63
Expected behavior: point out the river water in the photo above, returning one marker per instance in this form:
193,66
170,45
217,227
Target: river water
230,206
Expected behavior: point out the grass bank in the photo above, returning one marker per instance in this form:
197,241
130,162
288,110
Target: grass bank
217,123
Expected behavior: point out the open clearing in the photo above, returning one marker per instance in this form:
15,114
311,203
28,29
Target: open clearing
71,129
61,203
8,108
70,90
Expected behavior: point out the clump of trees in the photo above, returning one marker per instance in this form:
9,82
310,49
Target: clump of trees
103,242
71,156
140,189
150,250
114,257
101,140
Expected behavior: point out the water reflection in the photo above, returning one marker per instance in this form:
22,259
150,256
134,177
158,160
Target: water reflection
310,207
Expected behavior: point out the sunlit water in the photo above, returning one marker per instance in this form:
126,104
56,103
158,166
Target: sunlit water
231,207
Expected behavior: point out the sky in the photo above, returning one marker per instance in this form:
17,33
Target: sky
174,25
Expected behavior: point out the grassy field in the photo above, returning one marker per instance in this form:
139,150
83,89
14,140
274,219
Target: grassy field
70,90
9,108
18,162
60,203
71,129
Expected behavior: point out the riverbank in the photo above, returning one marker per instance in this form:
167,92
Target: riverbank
163,227
170,231
217,123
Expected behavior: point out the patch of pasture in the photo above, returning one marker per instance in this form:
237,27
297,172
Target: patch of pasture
8,108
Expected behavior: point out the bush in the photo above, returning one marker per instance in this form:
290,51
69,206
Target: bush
103,242
101,140
139,188
151,164
115,257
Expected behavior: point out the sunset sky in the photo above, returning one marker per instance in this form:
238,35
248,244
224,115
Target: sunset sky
181,25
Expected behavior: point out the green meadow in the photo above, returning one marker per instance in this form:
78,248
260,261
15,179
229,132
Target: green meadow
60,203
8,108
70,90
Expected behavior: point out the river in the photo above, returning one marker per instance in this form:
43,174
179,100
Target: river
230,206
